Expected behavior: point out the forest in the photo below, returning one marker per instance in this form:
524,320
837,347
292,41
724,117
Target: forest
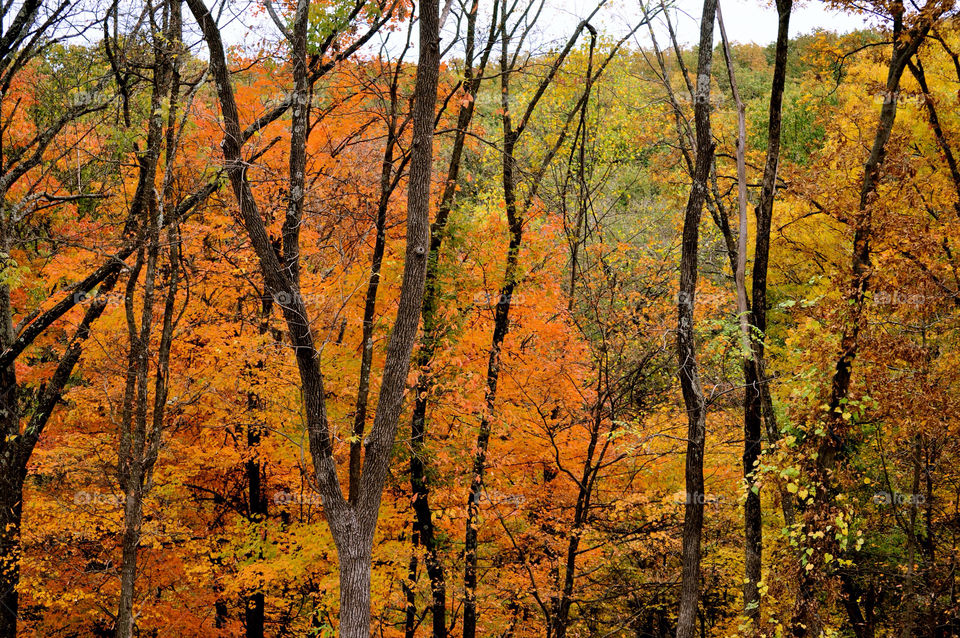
460,318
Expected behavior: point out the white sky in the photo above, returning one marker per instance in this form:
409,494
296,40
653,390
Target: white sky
756,21
745,20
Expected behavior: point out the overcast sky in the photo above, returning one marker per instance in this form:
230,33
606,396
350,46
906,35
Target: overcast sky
753,21
745,20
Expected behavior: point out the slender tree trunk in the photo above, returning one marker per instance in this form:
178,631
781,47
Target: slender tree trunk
512,130
423,533
909,585
254,609
805,621
137,444
593,460
130,544
370,307
690,384
752,521
12,468
758,403
254,605
501,324
410,620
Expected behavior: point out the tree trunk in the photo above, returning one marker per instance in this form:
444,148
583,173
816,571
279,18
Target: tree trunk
501,324
355,568
757,403
12,477
352,524
253,611
831,447
133,518
423,533
752,514
690,384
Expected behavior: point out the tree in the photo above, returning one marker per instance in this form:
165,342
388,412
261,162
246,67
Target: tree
352,524
423,527
516,207
142,424
693,396
908,34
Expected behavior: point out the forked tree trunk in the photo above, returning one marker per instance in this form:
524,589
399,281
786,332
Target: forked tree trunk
352,524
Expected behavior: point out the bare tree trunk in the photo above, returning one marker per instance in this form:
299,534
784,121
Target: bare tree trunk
352,524
423,532
805,620
909,585
254,608
501,321
355,573
140,437
752,515
130,544
690,384
13,473
501,324
758,403
370,301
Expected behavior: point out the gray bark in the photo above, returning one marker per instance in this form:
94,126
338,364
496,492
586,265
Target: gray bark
690,383
352,524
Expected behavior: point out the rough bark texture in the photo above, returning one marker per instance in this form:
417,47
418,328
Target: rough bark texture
423,529
690,384
353,524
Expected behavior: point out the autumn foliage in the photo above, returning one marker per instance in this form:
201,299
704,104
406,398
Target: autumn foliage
582,498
